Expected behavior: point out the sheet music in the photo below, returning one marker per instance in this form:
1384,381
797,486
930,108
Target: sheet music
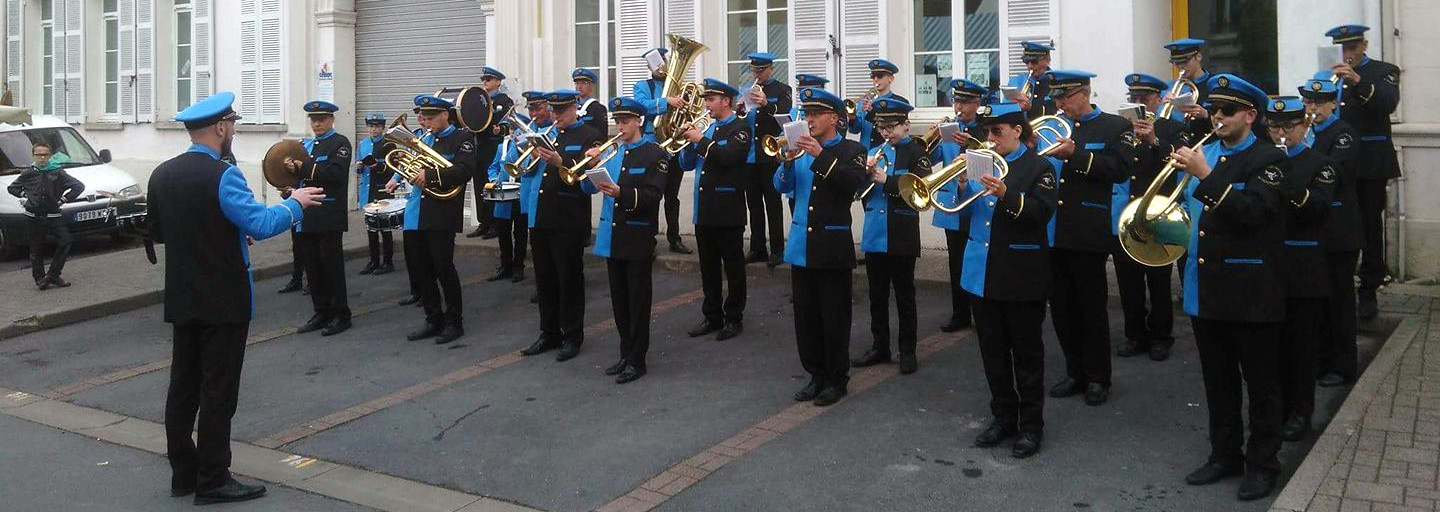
1329,55
599,176
978,160
793,131
1131,111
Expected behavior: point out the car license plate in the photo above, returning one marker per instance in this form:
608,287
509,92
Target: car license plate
103,213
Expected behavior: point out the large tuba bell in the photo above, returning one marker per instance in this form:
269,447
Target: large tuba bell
669,126
1157,233
412,158
1181,87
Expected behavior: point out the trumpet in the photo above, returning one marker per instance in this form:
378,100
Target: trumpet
1181,86
774,147
882,161
853,106
1156,234
677,142
576,173
412,158
931,139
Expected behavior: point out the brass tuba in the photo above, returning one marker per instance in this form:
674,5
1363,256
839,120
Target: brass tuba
1158,233
412,158
670,125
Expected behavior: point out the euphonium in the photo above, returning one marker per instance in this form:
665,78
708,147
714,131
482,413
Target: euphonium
1156,234
774,147
678,143
683,52
576,173
412,158
1181,86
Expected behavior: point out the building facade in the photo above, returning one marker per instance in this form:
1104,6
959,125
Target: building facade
120,69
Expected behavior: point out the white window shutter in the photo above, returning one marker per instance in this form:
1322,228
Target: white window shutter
271,110
632,28
14,48
144,61
69,83
127,60
681,19
861,41
810,22
250,61
1024,20
201,41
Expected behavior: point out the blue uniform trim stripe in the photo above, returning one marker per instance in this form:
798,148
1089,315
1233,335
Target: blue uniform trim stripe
1025,247
636,223
837,228
1093,204
1302,243
1094,145
1374,138
1245,261
724,189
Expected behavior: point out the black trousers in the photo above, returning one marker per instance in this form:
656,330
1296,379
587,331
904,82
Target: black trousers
884,271
382,244
297,257
1078,309
1013,352
1372,199
822,322
1298,340
955,241
1148,320
514,234
1336,351
430,260
484,210
722,260
631,293
324,260
204,383
1236,356
767,222
40,227
560,282
672,201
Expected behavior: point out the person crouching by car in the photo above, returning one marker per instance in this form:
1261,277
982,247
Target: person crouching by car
43,188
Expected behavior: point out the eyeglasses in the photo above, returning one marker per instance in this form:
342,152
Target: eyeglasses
38,155
1226,109
1284,126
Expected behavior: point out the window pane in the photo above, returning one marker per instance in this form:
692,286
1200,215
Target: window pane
982,24
742,35
48,37
112,35
614,85
112,66
110,6
182,61
611,51
46,77
777,4
49,96
932,80
932,19
1233,28
587,45
182,28
778,34
182,94
112,98
46,12
182,2
739,73
742,5
982,68
782,71
587,10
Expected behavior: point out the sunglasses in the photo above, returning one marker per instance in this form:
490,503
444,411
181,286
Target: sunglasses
996,130
879,74
1226,109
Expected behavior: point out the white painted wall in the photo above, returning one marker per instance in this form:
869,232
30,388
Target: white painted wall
1099,36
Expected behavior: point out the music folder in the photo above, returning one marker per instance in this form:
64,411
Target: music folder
599,176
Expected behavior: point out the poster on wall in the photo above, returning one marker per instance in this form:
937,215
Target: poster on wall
325,81
977,68
925,91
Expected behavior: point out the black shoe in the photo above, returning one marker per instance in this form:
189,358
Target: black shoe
776,259
631,374
1367,306
316,323
384,268
336,327
477,232
1067,388
1256,484
231,491
58,282
540,346
410,300
1210,473
568,351
757,257
1159,352
1096,394
808,392
1132,348
489,235
1331,380
428,331
181,486
871,357
830,395
1295,428
503,273
43,283
994,434
450,333
679,247
731,330
369,268
704,327
293,286
908,365
1027,445
616,368
519,275
955,324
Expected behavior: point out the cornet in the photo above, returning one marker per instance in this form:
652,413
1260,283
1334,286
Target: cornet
882,161
853,106
774,147
677,142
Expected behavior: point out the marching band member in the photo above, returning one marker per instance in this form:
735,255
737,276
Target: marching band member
1338,362
486,146
559,229
820,248
593,108
1370,93
629,220
1007,269
509,222
1096,158
882,75
1187,56
327,167
1148,324
1036,56
431,223
1310,185
773,97
718,157
1234,291
650,92
372,177
966,100
891,235
802,82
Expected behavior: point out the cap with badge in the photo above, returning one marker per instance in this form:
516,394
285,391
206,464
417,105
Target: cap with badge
209,111
1141,83
1285,108
559,99
1002,113
534,98
815,98
1182,49
882,65
963,90
1233,89
489,72
584,74
1032,51
1064,81
807,80
761,60
432,103
320,108
1320,89
715,87
1346,33
376,118
626,107
889,111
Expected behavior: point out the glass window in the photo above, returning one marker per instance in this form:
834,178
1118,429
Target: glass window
112,58
1235,30
47,72
746,22
184,74
937,58
982,43
594,46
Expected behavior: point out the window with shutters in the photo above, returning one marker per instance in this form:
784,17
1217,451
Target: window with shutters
47,57
14,49
261,84
110,16
595,43
938,57
756,26
184,61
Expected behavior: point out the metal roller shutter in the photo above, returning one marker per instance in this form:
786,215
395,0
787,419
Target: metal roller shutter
397,56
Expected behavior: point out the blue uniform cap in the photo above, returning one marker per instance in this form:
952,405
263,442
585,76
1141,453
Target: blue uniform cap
1284,108
375,118
209,111
1142,83
320,107
713,86
561,98
889,110
807,80
1001,113
1231,88
761,59
962,89
1346,33
489,72
815,98
1319,89
584,74
431,103
626,106
1034,50
883,65
532,97
1064,80
1182,49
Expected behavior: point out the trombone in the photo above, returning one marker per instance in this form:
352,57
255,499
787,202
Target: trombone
774,147
519,133
1156,234
576,173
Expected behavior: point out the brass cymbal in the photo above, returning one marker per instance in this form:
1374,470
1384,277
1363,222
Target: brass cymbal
273,166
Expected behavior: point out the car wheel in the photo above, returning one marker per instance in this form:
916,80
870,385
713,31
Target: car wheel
9,246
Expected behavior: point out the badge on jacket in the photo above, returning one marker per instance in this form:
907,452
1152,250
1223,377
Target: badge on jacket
343,152
1272,176
1047,180
1344,141
1326,175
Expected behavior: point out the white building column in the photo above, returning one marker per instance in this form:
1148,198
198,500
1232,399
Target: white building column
334,43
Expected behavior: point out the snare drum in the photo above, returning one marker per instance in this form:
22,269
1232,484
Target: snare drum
385,215
506,191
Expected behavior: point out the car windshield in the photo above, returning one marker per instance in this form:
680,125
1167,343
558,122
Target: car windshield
68,148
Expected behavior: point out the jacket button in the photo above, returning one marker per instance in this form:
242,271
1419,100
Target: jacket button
987,223
882,211
1134,177
1060,203
614,224
1222,159
987,244
542,191
702,189
1207,208
1062,180
808,230
812,208
1202,233
812,189
1201,260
